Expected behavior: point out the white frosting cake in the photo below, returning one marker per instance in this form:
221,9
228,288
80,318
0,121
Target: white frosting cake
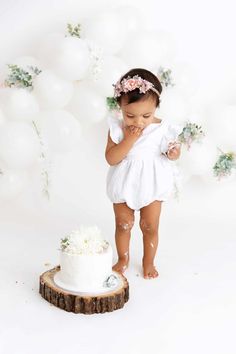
85,262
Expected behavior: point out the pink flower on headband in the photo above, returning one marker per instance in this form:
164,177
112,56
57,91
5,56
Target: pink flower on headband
130,84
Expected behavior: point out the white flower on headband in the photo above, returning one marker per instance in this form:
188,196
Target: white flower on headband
130,84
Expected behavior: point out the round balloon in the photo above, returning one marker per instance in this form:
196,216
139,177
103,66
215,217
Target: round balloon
71,59
2,117
222,125
200,158
20,104
148,49
60,129
185,78
11,183
19,145
105,29
51,90
111,69
173,105
47,48
130,17
87,104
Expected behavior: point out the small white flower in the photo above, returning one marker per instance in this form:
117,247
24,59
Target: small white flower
85,240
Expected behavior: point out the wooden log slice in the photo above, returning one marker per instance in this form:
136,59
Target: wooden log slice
78,302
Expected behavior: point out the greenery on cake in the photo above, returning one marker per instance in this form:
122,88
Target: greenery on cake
21,78
85,240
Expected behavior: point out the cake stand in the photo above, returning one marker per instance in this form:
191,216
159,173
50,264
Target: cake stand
80,302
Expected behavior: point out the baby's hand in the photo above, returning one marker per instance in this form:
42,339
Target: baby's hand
173,152
132,133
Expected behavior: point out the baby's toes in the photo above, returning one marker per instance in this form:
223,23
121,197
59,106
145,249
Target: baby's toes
155,274
150,273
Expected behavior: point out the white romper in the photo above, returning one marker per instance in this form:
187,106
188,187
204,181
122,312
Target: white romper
145,174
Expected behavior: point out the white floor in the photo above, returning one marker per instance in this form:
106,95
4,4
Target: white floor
189,308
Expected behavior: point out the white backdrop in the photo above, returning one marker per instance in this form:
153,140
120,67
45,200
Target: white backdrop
203,36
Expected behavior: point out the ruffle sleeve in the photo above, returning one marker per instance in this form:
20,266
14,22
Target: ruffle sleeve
170,135
115,126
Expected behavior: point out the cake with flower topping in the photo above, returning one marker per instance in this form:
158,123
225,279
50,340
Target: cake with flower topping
85,261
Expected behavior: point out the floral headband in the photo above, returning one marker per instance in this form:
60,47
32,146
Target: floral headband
130,84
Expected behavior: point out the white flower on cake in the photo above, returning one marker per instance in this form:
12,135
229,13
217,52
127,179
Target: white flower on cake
85,240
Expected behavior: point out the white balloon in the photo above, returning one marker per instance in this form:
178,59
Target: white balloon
11,183
173,105
200,158
71,59
51,90
60,129
197,113
87,104
222,125
68,56
47,48
130,18
19,145
4,92
2,117
20,104
106,30
225,91
184,175
185,78
111,69
148,49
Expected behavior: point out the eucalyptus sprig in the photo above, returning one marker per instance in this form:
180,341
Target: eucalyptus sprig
20,78
191,132
74,31
224,164
112,104
164,76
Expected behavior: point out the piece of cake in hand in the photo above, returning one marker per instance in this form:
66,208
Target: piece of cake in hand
85,262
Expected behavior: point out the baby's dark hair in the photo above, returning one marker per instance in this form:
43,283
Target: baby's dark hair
135,95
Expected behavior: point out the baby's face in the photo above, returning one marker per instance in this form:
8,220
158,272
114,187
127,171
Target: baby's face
139,114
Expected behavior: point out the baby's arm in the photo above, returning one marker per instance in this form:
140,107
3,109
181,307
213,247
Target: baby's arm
115,153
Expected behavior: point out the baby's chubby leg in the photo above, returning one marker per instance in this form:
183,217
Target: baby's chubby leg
149,223
124,218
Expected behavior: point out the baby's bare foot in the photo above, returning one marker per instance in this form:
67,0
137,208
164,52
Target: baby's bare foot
121,265
149,271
